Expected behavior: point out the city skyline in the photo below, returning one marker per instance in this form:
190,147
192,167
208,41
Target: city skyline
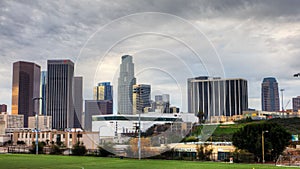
260,41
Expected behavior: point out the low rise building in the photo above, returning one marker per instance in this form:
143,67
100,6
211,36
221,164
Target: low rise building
66,138
12,121
45,122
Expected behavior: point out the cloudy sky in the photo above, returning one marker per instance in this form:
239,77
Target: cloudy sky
170,41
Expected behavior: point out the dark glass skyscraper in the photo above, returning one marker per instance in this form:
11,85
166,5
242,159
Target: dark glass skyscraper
43,91
217,97
78,101
269,94
125,84
59,93
25,87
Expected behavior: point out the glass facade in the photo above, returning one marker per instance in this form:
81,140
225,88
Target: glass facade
217,97
25,87
104,91
269,95
125,85
141,97
59,93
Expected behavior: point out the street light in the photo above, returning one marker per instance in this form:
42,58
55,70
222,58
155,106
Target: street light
36,126
139,141
263,145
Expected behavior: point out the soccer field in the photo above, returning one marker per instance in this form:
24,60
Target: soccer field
14,161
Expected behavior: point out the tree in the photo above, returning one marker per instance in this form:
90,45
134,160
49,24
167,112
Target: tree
203,152
55,150
250,138
201,117
41,146
79,149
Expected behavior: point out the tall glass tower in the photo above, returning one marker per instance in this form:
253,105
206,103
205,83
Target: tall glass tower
59,93
269,94
25,87
43,92
125,85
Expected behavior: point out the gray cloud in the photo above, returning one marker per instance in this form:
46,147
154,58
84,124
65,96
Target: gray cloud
253,38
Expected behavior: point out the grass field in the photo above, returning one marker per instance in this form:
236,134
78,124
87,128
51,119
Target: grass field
21,161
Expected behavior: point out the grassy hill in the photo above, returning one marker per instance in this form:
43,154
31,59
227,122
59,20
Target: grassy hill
224,132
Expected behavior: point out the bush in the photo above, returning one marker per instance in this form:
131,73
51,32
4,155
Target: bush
79,149
40,147
55,150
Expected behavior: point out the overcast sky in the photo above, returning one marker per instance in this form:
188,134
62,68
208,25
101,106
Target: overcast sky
169,40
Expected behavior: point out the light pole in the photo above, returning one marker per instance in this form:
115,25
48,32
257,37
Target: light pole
36,126
139,142
263,145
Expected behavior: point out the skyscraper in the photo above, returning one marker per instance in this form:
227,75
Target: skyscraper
269,94
125,84
25,87
96,107
162,103
141,97
216,97
43,92
59,93
104,91
78,102
296,104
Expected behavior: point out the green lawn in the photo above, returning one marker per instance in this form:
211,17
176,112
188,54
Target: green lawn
14,161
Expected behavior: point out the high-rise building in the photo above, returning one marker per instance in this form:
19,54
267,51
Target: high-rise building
141,97
104,91
158,98
125,84
166,98
59,93
296,104
269,94
162,103
78,102
216,97
96,107
43,92
3,108
25,87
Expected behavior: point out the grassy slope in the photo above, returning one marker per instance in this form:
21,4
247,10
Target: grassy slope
225,132
15,161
